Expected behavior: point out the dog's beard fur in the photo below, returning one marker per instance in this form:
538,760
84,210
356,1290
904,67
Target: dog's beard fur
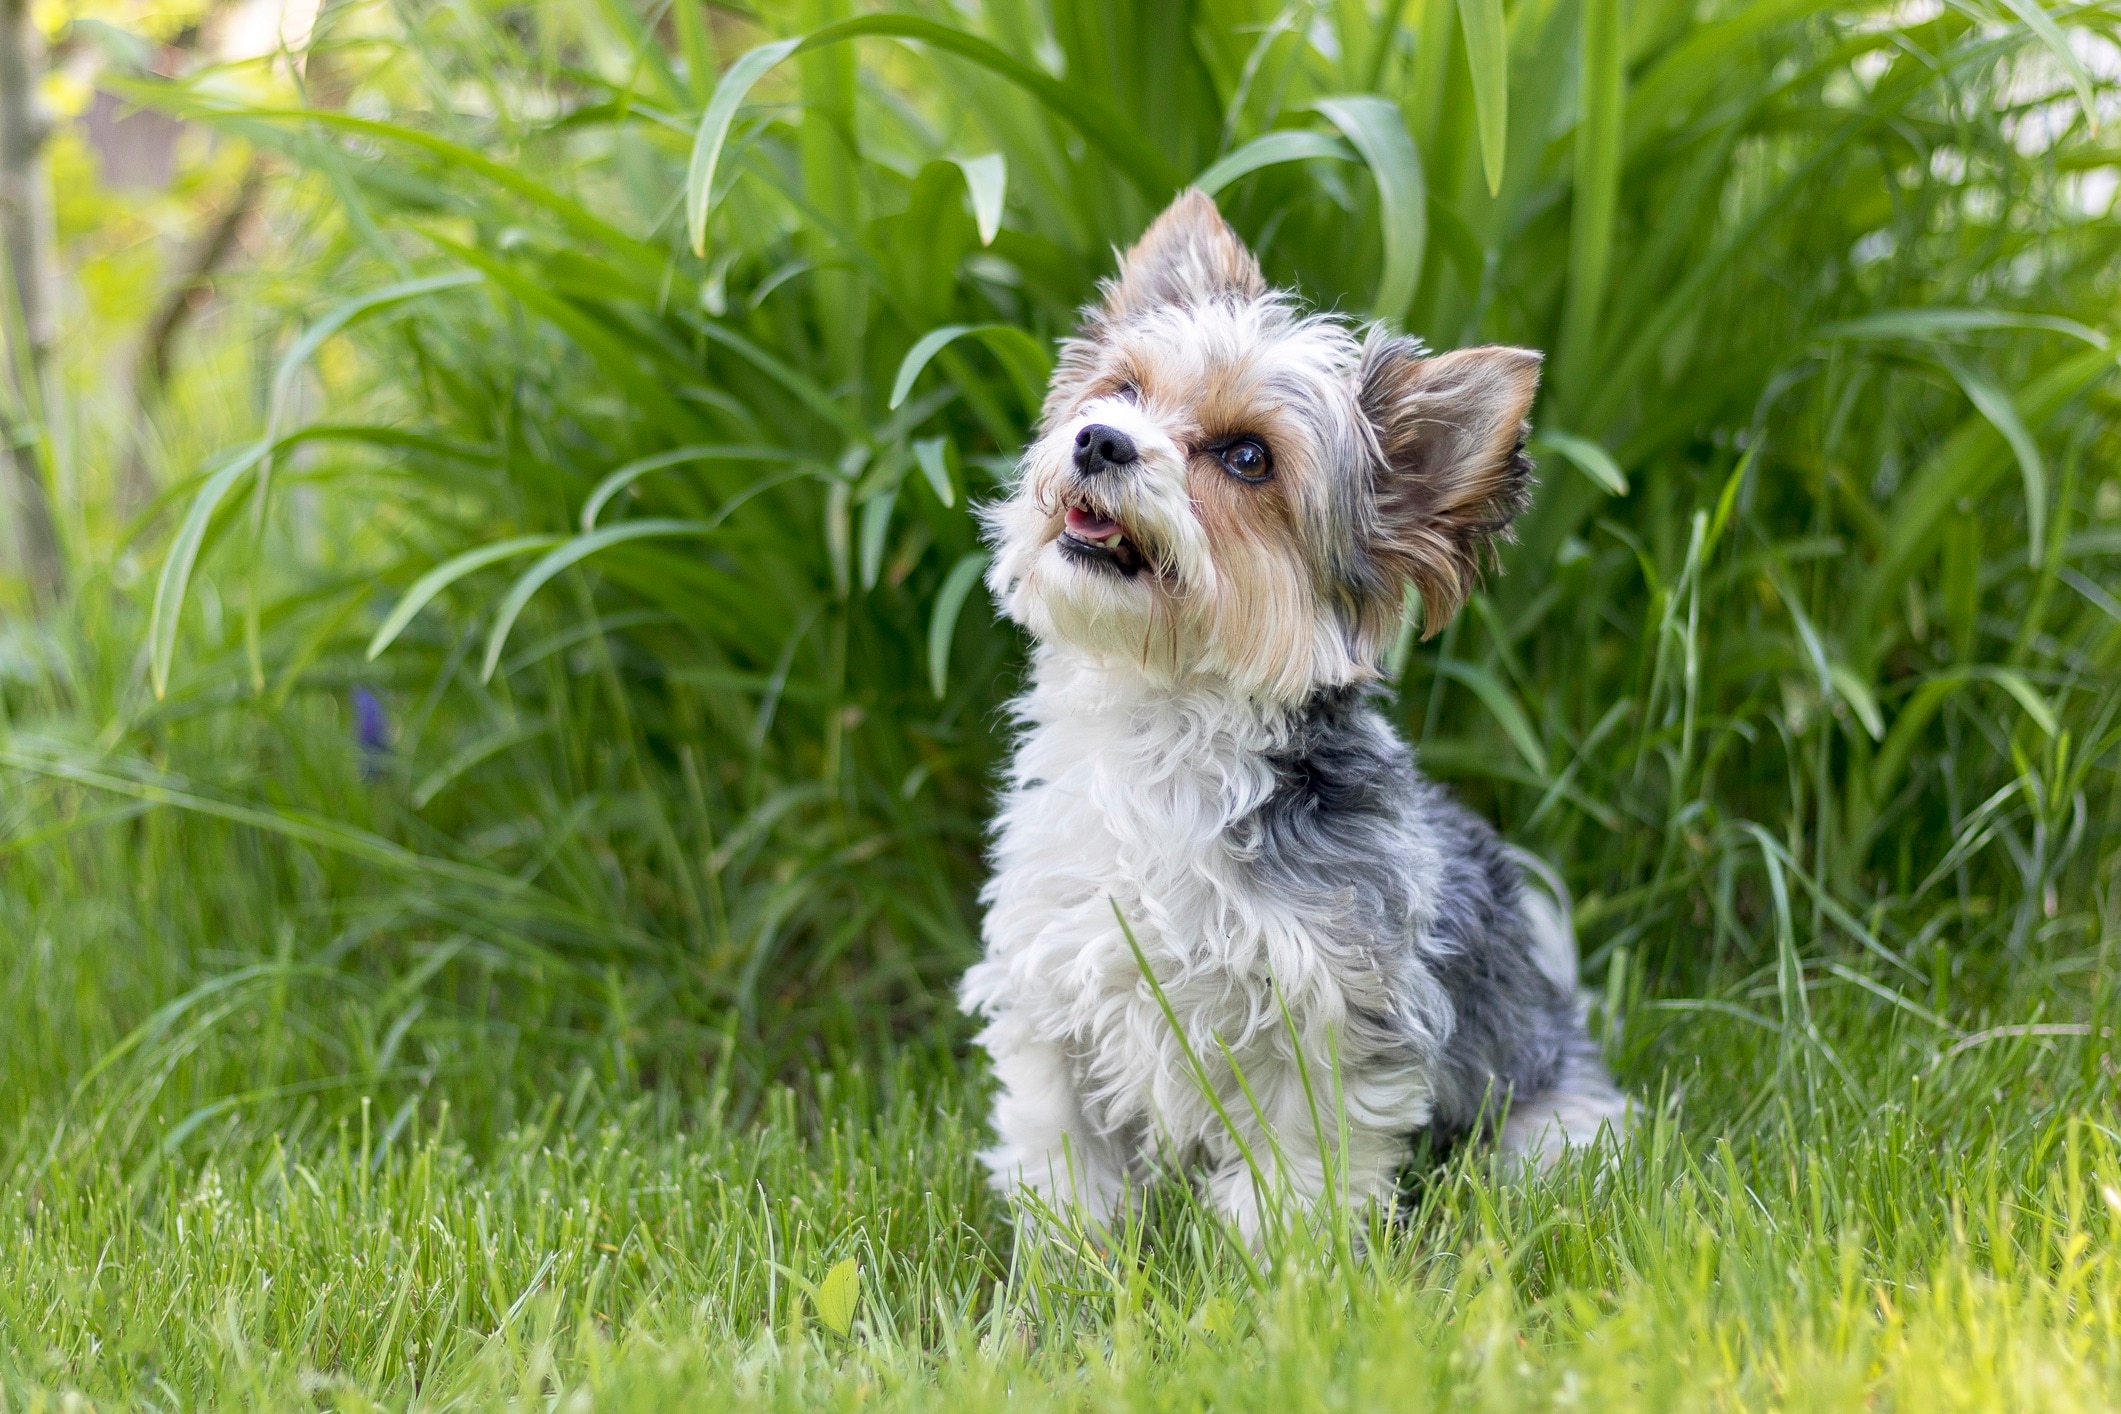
1198,749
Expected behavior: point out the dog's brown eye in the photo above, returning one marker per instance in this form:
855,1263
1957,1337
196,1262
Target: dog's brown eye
1247,460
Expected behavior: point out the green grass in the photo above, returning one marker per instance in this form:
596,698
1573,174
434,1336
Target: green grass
570,1041
298,1183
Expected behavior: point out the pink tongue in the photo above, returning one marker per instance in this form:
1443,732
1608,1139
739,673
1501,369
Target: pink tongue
1085,526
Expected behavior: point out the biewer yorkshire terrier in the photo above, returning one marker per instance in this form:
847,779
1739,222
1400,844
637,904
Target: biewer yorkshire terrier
1211,542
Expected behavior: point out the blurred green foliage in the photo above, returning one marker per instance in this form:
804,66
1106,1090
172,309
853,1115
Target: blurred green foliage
522,690
1813,587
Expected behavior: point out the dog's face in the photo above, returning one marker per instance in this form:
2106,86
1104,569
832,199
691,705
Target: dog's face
1224,485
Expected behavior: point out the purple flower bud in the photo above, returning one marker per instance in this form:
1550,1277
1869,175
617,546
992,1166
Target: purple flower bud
371,727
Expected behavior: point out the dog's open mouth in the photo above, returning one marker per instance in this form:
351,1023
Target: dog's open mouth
1092,537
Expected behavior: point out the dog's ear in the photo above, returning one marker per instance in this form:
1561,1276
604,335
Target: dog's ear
1453,473
1188,255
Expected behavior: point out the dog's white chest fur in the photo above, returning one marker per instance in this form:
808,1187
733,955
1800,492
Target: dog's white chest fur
1127,801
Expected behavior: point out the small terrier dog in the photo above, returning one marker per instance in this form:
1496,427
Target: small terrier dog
1211,541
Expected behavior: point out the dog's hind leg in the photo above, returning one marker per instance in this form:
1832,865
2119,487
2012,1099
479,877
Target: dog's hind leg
1571,1113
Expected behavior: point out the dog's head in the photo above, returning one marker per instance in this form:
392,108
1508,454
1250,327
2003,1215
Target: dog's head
1226,485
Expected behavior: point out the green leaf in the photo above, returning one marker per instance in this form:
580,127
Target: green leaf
876,525
1024,357
1923,704
1375,127
633,471
1502,706
987,180
618,355
1487,54
570,552
1097,122
839,534
713,132
918,357
284,378
175,579
1857,693
454,156
782,372
349,312
1934,323
933,455
1589,458
1961,466
837,1296
484,749
428,585
1727,500
1289,145
942,624
1595,191
1996,405
2043,24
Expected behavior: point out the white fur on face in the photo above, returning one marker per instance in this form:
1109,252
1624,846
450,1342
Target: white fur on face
1245,583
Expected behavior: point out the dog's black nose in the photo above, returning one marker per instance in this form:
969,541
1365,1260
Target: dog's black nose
1098,448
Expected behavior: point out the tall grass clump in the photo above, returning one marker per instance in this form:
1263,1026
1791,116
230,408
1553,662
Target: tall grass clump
683,340
569,707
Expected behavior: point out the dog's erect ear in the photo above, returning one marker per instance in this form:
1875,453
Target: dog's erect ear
1188,255
1454,473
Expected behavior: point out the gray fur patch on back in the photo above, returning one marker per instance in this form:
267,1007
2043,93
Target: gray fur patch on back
1436,951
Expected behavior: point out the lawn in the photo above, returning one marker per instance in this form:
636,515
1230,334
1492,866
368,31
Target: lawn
495,746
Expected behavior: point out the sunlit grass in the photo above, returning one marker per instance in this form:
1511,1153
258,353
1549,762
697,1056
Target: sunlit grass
267,1194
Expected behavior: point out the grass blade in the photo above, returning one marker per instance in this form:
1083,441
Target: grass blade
344,315
633,471
1932,323
475,753
920,355
1961,466
1289,145
2043,24
1602,83
942,623
428,585
1589,458
571,552
1024,357
1996,405
177,566
1502,706
1488,55
1908,723
987,179
1142,164
1378,132
713,132
933,456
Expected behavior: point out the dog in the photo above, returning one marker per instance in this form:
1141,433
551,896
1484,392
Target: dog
1230,931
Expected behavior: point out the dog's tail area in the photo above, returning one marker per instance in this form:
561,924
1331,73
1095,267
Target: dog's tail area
1546,909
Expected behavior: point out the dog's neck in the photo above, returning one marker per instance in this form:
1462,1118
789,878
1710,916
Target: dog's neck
1123,700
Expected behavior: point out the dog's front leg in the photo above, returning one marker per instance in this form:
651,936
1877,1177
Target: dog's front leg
1285,1171
1045,1149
